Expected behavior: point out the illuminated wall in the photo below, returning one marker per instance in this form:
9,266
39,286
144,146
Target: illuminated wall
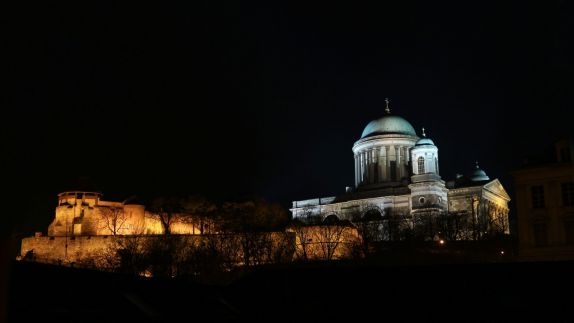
321,242
86,214
93,249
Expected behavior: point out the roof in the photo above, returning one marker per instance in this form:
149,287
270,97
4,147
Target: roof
478,175
389,124
424,142
475,177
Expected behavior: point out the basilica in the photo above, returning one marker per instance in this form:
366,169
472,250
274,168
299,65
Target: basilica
397,179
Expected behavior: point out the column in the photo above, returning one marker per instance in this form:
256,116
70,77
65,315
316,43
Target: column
373,165
366,162
388,164
362,167
405,165
355,169
376,174
382,165
369,166
398,163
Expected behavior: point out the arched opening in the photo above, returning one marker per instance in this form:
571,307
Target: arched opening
372,215
331,219
421,165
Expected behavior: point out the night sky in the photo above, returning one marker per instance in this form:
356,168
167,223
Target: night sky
232,100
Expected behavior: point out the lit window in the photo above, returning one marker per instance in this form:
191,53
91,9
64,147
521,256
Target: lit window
538,196
568,194
421,163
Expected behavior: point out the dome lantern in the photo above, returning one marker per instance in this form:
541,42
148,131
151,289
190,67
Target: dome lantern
424,156
424,141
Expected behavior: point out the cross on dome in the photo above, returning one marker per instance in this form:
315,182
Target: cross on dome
387,108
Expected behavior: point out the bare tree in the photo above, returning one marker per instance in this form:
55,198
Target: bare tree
250,220
499,221
483,221
425,225
303,234
405,225
452,225
201,212
164,254
283,247
330,234
207,258
397,225
167,209
113,219
303,239
124,254
496,218
368,220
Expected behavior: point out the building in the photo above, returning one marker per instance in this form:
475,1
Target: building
545,204
398,183
89,231
82,213
85,226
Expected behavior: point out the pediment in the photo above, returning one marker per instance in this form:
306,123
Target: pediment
496,187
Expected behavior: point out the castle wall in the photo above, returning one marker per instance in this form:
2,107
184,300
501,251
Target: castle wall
90,249
68,249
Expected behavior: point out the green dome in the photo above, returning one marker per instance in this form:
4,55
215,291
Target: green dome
389,124
478,175
424,142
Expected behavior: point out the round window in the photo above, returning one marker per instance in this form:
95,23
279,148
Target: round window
421,200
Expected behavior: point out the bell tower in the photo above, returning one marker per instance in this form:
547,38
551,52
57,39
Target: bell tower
428,192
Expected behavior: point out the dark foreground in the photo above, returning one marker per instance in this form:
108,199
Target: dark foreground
459,292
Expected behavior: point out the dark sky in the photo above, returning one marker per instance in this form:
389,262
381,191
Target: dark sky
228,99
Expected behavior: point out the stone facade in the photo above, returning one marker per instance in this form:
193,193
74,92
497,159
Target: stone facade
68,249
545,204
